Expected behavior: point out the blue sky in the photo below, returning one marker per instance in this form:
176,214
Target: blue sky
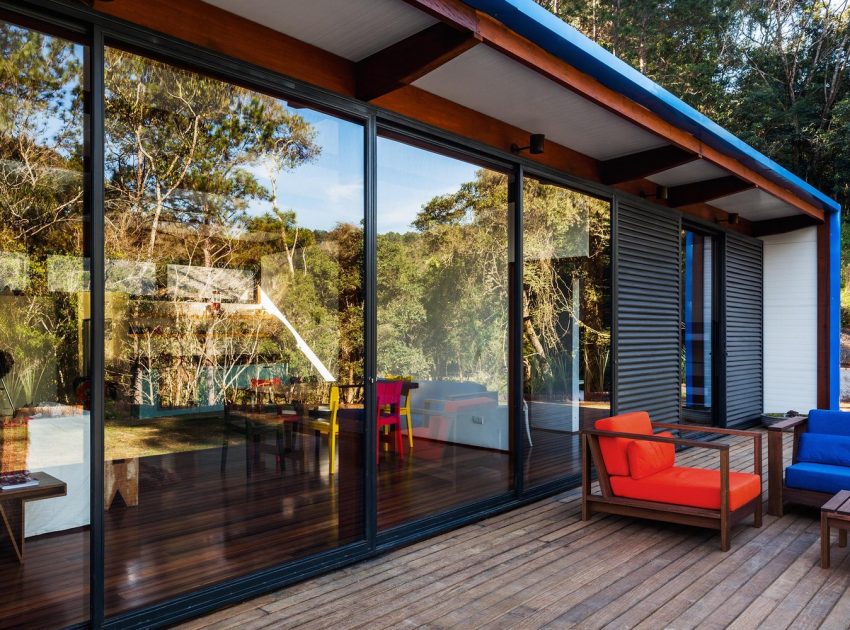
329,190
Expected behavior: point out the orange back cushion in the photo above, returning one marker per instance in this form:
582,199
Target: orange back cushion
648,458
614,449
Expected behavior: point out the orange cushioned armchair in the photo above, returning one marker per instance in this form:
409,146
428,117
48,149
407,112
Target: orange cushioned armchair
638,476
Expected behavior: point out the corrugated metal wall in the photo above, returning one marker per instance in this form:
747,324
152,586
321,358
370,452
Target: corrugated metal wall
647,313
744,346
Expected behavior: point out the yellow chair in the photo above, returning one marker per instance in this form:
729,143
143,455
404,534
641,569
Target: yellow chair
328,427
404,410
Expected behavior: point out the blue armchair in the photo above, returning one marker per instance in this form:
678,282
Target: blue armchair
820,462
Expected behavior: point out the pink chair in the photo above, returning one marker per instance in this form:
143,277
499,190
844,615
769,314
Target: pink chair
389,395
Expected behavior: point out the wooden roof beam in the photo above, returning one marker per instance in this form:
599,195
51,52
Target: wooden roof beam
405,61
643,164
701,192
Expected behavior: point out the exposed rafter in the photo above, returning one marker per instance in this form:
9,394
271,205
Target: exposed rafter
700,192
643,164
409,59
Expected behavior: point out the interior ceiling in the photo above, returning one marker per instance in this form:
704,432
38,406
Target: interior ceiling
353,29
487,81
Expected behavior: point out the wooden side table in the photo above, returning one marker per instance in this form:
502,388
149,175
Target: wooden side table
834,513
12,506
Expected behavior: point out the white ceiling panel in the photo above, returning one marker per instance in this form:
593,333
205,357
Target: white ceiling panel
485,80
696,171
353,29
755,205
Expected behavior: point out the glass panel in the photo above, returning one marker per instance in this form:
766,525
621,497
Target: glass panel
44,309
566,324
234,300
697,315
442,328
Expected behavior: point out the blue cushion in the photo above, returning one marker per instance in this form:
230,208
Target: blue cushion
819,448
831,422
818,477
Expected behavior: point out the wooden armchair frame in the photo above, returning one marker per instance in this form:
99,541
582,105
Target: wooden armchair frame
721,520
778,493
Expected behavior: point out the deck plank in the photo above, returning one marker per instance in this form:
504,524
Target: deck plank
540,566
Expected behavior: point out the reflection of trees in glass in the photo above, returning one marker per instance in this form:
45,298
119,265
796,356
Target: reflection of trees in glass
41,195
192,180
567,250
442,288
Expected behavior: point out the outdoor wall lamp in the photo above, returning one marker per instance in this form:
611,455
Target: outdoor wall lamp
535,144
660,193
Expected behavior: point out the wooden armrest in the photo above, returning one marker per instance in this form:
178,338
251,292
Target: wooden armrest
657,438
754,435
787,424
700,429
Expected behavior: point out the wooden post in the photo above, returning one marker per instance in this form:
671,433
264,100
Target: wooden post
724,500
757,469
775,473
585,478
824,541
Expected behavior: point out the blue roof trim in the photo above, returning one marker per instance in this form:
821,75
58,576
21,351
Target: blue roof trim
554,35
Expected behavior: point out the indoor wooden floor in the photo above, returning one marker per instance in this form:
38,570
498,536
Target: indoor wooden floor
195,527
540,566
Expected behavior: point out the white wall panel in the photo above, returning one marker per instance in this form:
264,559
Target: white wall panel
790,321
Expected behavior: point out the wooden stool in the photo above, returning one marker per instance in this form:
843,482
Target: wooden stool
834,513
122,477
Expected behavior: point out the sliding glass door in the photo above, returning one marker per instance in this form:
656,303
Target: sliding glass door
442,307
234,331
698,331
45,425
566,324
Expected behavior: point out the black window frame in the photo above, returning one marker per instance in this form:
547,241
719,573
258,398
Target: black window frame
96,31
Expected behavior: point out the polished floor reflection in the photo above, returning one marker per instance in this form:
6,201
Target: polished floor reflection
556,453
194,526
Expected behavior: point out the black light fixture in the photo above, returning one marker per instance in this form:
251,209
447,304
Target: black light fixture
535,144
731,219
660,193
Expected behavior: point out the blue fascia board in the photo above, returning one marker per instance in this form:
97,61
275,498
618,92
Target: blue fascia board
834,222
538,25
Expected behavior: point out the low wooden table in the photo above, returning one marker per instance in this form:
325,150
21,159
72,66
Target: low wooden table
12,506
834,513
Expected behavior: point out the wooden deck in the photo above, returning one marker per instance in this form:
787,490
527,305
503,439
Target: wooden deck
540,566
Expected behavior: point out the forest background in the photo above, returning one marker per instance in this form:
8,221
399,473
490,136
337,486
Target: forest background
772,72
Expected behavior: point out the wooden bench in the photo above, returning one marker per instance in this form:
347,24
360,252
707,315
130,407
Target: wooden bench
834,513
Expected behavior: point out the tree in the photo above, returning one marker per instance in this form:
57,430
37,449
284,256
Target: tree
773,72
184,153
41,210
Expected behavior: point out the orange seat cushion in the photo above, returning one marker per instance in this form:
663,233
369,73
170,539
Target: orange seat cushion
614,449
647,458
696,487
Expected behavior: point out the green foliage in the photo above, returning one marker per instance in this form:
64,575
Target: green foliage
773,72
442,288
